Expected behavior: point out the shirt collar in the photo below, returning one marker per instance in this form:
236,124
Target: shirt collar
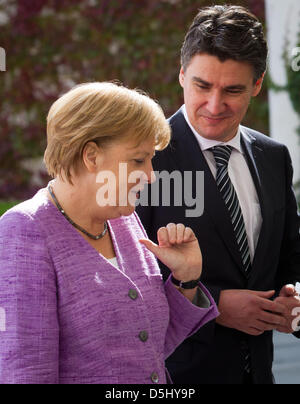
206,144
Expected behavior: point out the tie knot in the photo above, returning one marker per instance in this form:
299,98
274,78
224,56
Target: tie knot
222,154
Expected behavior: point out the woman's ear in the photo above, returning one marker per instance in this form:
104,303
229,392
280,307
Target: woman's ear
92,156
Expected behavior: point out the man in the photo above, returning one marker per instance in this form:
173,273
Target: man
249,230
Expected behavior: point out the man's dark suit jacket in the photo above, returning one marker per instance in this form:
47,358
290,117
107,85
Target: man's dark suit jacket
216,354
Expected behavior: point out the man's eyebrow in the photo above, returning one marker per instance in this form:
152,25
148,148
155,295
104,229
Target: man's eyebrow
236,87
200,81
207,84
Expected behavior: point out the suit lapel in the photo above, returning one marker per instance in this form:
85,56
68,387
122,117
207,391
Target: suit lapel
254,156
185,145
189,157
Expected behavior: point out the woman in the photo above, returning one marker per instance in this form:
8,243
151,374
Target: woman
81,290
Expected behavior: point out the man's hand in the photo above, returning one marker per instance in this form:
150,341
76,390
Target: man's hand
290,299
251,311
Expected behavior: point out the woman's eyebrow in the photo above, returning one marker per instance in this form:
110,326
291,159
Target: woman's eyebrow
146,154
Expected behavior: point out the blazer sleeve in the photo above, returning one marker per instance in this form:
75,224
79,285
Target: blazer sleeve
29,333
185,318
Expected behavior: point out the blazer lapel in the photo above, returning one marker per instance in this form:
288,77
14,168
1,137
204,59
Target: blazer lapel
254,156
185,145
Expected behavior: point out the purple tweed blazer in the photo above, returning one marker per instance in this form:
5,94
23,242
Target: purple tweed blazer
68,316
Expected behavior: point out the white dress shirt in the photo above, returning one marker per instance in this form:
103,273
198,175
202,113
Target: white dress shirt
241,179
114,262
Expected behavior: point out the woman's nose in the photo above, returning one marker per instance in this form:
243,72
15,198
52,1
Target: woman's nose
150,177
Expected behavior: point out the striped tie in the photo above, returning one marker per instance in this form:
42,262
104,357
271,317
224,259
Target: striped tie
222,155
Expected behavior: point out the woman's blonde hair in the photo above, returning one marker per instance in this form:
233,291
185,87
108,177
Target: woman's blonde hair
100,112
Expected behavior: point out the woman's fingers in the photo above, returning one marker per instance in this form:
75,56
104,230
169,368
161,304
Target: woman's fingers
174,234
154,248
178,249
180,232
163,237
188,235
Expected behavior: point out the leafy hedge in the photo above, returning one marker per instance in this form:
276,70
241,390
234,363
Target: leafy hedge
292,86
4,206
51,45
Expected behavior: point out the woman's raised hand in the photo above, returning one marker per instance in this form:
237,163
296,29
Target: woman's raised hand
179,250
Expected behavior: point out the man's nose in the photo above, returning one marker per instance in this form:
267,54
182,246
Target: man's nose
215,103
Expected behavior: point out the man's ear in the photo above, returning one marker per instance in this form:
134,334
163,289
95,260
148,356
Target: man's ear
258,86
91,157
181,77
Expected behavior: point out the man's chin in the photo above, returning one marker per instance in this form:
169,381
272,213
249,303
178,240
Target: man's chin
212,135
216,132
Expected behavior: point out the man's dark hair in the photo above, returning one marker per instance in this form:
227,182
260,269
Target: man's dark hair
228,32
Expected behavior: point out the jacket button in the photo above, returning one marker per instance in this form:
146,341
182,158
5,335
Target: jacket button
143,336
133,294
154,377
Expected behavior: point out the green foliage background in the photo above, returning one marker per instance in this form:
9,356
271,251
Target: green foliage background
52,45
4,206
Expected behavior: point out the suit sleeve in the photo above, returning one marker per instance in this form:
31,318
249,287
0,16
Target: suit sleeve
289,265
29,337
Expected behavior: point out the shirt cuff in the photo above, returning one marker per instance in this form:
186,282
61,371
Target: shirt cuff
201,300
